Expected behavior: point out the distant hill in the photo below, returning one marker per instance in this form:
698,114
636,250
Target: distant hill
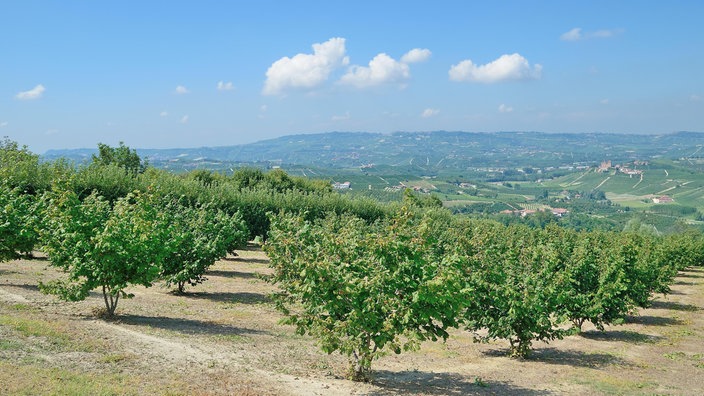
438,150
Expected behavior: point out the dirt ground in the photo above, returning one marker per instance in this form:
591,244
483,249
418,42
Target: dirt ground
224,338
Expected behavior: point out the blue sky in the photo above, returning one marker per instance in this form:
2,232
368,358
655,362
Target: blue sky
159,74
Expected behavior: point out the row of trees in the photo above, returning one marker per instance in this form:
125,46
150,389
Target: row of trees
137,240
115,221
366,288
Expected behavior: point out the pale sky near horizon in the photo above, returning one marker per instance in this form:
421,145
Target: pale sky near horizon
160,74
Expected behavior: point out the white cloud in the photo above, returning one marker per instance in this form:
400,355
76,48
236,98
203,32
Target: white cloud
164,114
576,34
225,86
604,101
381,70
184,119
416,55
507,67
695,98
602,34
51,132
573,35
181,90
505,109
4,124
427,113
34,93
343,117
306,71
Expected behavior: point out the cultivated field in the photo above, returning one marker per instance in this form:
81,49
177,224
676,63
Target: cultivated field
224,338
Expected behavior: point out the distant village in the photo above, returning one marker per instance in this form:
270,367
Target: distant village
606,167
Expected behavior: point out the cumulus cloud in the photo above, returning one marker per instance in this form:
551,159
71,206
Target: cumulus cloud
416,55
505,109
695,98
34,93
576,34
184,119
181,90
164,114
306,71
427,113
381,70
604,101
4,124
225,86
507,67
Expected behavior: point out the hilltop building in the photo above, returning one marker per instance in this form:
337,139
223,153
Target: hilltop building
663,199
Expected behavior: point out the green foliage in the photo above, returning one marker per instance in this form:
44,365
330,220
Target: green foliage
593,283
413,199
109,181
122,156
21,169
513,291
19,222
363,289
105,247
198,237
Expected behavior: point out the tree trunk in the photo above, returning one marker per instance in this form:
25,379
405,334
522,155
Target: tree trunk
110,301
360,369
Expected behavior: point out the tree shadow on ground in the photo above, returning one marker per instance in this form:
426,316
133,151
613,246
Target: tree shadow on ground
5,272
26,286
238,259
683,283
675,306
239,297
652,320
690,274
629,336
233,274
564,357
185,326
428,383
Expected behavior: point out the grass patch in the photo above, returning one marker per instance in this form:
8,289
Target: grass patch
113,358
19,307
10,345
675,355
36,328
56,334
33,380
610,385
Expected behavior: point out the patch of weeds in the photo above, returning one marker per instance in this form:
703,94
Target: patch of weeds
478,381
675,355
53,333
10,345
22,379
23,307
615,385
113,358
36,328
